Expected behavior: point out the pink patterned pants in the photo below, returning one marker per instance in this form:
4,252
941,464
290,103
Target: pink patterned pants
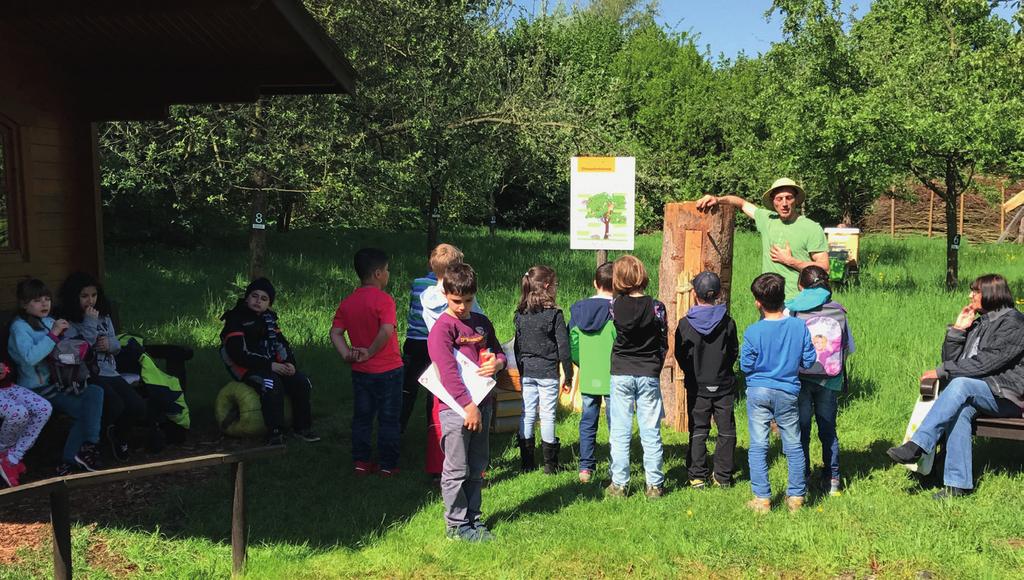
23,413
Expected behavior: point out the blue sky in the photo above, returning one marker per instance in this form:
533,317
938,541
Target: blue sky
728,26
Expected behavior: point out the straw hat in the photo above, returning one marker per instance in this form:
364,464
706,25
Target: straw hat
780,183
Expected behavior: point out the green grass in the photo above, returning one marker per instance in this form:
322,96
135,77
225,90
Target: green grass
310,518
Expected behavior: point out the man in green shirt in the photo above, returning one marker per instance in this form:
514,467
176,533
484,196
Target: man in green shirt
789,241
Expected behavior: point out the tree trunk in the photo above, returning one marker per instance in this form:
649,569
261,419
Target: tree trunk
693,242
258,229
284,220
433,217
952,231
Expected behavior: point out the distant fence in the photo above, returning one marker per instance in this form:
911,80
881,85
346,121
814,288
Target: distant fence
924,213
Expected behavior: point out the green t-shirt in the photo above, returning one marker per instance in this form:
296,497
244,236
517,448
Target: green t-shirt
804,235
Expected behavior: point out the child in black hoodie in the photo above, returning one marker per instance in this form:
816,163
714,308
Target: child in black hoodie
706,349
257,354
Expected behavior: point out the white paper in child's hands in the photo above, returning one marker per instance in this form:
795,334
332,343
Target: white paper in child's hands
479,387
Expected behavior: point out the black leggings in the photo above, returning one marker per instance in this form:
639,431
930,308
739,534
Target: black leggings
123,407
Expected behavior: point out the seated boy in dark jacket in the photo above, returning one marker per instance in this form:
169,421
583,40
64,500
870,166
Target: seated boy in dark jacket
257,353
706,350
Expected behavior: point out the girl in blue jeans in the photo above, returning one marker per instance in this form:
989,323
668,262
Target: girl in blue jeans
541,345
637,358
33,337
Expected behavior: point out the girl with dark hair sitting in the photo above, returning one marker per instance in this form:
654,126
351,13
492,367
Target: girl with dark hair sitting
983,360
86,307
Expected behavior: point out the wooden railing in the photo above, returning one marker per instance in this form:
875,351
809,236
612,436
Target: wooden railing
59,488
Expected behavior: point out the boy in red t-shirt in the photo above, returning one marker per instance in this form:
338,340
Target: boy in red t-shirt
368,316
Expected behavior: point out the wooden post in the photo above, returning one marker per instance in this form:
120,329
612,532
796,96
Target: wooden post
60,521
931,212
693,242
1002,211
602,256
238,525
892,214
963,204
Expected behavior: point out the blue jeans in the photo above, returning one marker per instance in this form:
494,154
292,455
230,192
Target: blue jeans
377,395
645,392
763,405
542,393
952,416
86,410
588,428
822,404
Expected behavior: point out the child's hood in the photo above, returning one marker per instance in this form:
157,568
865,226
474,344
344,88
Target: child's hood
705,318
591,314
809,299
634,312
433,298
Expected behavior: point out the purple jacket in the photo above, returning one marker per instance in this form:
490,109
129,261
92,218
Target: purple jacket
471,336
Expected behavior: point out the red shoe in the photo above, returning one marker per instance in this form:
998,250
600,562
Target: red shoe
21,467
385,472
364,468
9,471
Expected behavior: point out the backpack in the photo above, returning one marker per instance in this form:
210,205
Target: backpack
827,338
162,389
71,362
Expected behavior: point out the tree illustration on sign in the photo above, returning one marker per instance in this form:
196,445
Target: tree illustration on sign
609,208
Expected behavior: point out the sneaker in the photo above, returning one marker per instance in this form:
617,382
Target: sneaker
654,491
9,471
65,469
275,438
388,472
118,448
468,533
950,492
835,487
88,457
615,490
485,534
585,475
760,505
308,435
697,484
794,503
721,484
364,468
909,452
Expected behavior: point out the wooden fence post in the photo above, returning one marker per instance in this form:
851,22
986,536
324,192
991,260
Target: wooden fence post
238,525
693,242
60,521
1002,211
931,212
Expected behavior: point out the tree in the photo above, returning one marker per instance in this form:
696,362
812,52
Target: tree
609,208
944,92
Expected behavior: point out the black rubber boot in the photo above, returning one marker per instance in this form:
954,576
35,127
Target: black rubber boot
550,450
526,459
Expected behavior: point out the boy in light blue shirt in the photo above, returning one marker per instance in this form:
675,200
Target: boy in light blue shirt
774,350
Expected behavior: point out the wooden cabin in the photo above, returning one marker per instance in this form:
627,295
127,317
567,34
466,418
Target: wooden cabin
64,66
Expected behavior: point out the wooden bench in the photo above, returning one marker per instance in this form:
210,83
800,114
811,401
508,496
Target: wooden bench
997,428
59,488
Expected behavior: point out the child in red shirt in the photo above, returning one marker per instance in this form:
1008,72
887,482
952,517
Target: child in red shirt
368,316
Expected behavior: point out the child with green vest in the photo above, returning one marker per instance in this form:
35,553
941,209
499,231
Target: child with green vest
591,336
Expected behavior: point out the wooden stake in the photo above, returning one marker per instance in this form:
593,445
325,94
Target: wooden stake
238,527
931,212
892,215
60,521
1002,212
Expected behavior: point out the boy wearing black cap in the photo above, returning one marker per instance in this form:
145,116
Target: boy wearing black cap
257,354
706,350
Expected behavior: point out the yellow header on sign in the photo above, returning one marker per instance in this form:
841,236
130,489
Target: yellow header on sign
596,165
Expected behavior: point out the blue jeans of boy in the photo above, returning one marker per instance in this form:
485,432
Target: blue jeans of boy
542,393
86,410
645,393
377,395
588,428
823,405
952,416
763,405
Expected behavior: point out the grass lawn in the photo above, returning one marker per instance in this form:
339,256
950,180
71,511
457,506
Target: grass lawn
310,518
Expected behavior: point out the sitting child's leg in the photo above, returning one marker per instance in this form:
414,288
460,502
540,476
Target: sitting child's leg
299,390
271,392
22,434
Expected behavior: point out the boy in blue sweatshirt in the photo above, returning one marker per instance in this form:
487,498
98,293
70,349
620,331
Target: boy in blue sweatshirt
774,350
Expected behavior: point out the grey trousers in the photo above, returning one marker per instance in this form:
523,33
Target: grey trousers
465,458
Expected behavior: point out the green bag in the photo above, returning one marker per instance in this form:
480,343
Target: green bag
165,387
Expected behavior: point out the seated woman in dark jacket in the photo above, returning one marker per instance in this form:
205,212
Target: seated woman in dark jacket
983,361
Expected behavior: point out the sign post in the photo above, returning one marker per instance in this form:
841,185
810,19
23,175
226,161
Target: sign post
602,204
